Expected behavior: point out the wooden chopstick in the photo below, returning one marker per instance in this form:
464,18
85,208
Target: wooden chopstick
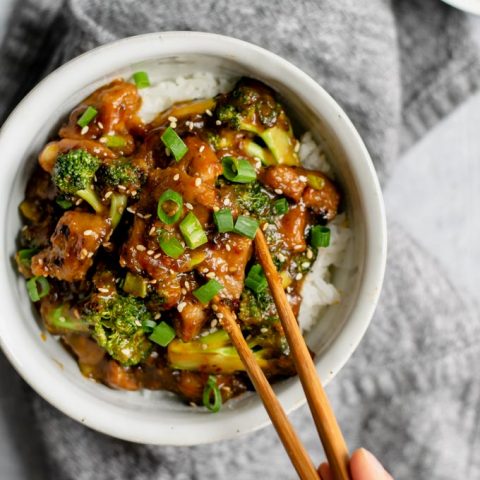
328,429
295,449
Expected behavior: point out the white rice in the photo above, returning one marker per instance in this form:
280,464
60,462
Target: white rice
318,291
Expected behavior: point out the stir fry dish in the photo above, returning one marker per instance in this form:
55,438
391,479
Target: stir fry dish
134,233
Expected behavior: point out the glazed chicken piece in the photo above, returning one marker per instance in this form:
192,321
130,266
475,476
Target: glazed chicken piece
292,227
117,105
75,240
316,190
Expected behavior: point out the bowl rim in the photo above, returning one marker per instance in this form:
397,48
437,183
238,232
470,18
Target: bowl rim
102,61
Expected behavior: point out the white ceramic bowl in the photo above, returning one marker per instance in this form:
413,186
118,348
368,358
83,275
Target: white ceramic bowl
159,417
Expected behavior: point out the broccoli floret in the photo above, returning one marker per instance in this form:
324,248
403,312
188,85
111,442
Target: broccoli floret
74,173
120,173
117,323
214,353
251,106
253,198
256,309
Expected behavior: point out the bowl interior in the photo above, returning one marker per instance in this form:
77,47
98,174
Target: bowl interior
159,417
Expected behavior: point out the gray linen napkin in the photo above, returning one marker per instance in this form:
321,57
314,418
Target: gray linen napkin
410,393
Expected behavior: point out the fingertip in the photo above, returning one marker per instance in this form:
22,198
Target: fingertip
365,466
324,471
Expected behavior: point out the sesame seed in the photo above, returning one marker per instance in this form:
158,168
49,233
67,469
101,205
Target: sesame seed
189,206
176,177
201,149
204,270
297,247
214,323
83,252
204,346
100,124
264,329
218,122
167,152
157,255
265,226
140,248
297,147
305,264
309,254
152,231
140,215
181,306
157,316
232,269
138,323
216,209
227,202
78,202
302,178
258,164
102,290
210,275
299,276
103,140
172,119
133,192
172,272
198,182
108,194
190,125
184,291
84,130
131,210
214,308
154,354
281,257
228,247
278,191
62,319
220,316
149,252
208,112
40,261
90,254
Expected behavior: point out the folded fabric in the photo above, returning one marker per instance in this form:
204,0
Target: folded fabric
396,68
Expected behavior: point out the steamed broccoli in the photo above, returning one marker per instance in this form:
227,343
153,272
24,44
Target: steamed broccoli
74,173
117,323
120,173
251,106
214,353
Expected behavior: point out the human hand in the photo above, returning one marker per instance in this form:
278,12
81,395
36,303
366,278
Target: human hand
363,466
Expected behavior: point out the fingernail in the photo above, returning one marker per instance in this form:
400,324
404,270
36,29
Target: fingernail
372,461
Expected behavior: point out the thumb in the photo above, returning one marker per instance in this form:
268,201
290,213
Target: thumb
364,466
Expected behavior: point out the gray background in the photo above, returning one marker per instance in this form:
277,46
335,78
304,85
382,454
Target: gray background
434,210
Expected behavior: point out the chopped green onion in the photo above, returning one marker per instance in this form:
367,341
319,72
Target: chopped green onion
114,141
170,245
192,231
87,116
148,325
35,293
174,143
256,280
223,220
206,292
320,236
141,79
238,170
211,389
170,196
25,255
246,226
280,206
162,334
135,285
65,204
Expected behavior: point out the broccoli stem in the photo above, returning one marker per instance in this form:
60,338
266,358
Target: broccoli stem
253,149
89,195
219,356
61,319
117,207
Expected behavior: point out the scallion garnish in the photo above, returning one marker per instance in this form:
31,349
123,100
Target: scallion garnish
238,170
171,246
65,204
162,334
174,143
246,226
141,79
192,231
37,288
114,141
256,280
223,220
206,292
320,236
26,254
173,214
212,398
87,116
148,325
280,206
